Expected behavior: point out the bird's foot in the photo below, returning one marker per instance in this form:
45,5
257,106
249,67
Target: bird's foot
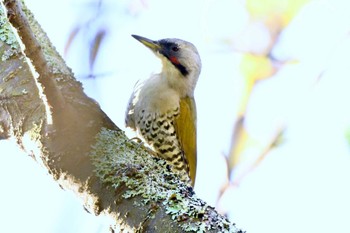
137,140
140,143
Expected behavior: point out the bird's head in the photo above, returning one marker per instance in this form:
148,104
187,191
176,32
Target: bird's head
179,57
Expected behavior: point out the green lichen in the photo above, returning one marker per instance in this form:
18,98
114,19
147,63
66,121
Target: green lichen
7,36
53,59
112,156
117,162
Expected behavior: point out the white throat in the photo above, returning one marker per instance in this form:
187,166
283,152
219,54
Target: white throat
183,85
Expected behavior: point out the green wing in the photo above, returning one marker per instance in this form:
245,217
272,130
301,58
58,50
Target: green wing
186,129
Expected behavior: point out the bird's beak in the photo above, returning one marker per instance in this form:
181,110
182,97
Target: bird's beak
153,45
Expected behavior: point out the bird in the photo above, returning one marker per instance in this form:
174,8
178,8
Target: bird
162,109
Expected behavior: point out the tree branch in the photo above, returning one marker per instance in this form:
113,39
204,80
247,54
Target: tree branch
34,52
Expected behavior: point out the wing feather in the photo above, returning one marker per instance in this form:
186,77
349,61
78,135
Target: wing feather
186,128
130,110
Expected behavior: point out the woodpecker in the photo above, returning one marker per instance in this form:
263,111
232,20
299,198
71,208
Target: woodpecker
162,109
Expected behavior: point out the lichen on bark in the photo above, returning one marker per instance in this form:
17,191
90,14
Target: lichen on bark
118,163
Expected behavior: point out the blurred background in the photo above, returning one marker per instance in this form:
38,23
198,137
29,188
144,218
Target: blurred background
272,105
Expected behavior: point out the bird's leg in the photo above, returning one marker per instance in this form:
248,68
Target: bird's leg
140,143
137,139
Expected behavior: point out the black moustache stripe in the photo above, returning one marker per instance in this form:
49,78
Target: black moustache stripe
181,68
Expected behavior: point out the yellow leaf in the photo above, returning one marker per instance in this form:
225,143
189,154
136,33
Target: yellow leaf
255,67
292,9
240,139
271,10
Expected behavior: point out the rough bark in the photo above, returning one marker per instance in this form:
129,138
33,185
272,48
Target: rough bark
46,111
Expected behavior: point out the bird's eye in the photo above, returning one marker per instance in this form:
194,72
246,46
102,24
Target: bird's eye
175,48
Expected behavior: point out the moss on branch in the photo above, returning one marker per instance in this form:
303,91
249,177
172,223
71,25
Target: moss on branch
118,163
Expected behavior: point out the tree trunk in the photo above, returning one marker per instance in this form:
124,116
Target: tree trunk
46,111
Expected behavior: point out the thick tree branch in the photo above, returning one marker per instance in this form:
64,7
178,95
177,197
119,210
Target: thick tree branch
82,148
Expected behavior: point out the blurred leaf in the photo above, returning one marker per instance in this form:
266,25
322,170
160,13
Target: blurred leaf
279,138
95,47
347,135
262,9
256,67
271,10
71,38
292,10
239,142
253,68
